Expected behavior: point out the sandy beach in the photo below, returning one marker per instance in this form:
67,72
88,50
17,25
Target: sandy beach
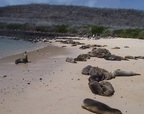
50,85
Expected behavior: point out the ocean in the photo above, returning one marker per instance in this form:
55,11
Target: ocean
9,46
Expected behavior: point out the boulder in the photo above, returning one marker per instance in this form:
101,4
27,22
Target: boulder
70,60
99,52
82,57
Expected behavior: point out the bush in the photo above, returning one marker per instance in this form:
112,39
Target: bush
141,35
62,28
128,33
41,28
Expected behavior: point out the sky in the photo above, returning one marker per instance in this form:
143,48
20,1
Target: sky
127,4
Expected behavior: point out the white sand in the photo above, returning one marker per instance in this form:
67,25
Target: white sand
63,87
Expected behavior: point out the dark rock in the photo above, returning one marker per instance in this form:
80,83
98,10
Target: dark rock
70,60
100,53
114,58
82,57
4,76
116,47
129,57
139,57
85,47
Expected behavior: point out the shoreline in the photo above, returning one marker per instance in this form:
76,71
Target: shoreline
49,85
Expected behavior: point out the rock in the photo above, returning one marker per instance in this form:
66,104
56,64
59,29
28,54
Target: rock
129,57
70,60
114,58
85,47
116,47
4,76
126,46
139,57
99,52
82,57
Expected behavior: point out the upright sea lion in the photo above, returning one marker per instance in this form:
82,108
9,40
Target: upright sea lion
120,72
25,57
99,107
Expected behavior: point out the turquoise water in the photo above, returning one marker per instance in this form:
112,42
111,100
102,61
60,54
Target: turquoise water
11,47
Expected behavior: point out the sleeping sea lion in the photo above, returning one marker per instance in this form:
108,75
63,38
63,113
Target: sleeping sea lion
99,107
96,88
96,78
102,88
120,72
86,70
107,88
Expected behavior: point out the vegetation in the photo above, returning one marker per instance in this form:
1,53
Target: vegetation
97,29
129,33
80,30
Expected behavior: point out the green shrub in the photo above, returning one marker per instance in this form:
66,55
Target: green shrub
141,35
127,33
97,29
41,28
62,28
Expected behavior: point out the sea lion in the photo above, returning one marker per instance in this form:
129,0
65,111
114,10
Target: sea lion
102,88
107,87
17,61
86,70
120,72
101,73
96,88
99,107
25,57
96,78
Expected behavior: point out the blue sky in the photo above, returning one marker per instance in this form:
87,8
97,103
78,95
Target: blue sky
132,4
